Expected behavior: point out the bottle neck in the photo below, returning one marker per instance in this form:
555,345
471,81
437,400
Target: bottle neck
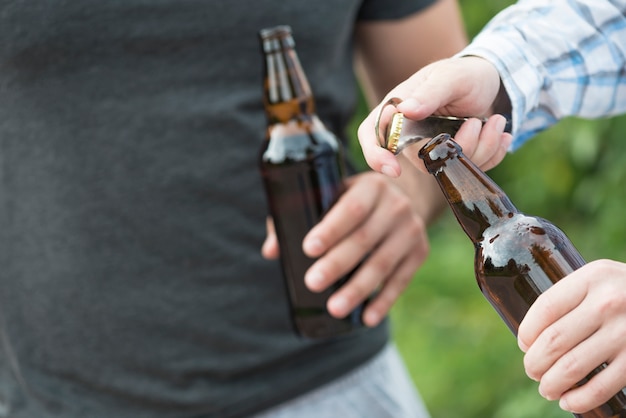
476,200
287,94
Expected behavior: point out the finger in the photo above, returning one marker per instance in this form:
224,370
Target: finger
367,217
468,137
270,249
481,143
385,269
597,391
353,207
559,340
498,156
489,143
340,260
575,364
431,90
551,305
417,109
391,290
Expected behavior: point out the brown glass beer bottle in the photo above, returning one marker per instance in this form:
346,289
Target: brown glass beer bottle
517,256
303,173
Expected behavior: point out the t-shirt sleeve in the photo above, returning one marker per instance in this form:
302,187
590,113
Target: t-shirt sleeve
387,10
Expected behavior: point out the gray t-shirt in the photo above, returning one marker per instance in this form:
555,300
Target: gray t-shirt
132,212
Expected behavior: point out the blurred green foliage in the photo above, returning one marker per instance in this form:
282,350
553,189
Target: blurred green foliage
462,357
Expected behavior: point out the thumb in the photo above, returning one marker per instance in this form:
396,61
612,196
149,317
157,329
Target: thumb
460,86
432,90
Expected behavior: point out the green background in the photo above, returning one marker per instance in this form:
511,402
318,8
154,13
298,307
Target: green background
462,357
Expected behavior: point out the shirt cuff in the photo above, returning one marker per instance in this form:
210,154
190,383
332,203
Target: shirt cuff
521,76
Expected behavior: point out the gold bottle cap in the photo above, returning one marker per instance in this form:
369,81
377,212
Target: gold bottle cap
402,132
394,131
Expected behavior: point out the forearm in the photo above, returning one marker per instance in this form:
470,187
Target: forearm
556,59
390,52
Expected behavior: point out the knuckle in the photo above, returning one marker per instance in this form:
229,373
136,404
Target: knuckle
375,180
359,290
399,207
572,367
416,226
388,298
394,287
603,266
363,238
381,266
543,307
592,393
357,208
600,391
619,334
612,302
554,340
332,267
401,283
620,366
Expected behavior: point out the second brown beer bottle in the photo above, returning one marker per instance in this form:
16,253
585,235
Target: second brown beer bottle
517,256
303,173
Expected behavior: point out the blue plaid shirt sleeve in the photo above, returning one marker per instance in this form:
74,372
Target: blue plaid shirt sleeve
557,58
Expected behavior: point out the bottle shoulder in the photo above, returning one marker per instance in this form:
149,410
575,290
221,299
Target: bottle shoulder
520,236
521,226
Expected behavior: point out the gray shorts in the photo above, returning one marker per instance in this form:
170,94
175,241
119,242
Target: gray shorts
381,388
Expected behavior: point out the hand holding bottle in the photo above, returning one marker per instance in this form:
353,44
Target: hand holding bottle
467,86
372,218
575,325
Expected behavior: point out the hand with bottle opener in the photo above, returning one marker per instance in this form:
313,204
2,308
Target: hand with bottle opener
459,87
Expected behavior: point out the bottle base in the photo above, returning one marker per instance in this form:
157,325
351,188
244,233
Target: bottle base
317,323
